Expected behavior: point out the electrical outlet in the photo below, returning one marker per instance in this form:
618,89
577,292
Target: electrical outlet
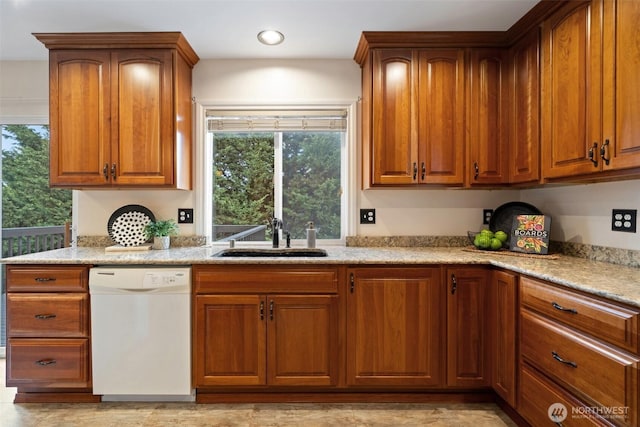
367,216
624,220
185,216
486,215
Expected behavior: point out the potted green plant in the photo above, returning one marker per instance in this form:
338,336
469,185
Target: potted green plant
161,231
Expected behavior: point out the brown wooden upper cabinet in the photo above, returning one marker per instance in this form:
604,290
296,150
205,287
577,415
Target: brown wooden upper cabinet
590,90
120,109
413,117
488,141
524,109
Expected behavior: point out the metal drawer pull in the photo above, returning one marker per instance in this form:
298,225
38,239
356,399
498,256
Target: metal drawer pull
561,308
46,362
45,316
561,360
45,279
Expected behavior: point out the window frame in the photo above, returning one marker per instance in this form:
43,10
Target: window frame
204,169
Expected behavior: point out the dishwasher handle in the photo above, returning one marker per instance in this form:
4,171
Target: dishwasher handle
107,290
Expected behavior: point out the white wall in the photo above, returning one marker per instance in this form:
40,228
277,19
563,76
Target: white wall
580,213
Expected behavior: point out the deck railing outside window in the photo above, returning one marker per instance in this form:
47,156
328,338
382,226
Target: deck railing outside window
27,240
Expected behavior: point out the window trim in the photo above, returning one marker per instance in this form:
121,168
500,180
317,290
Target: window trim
204,169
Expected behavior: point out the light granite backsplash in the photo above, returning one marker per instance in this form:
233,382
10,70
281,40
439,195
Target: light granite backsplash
625,257
104,241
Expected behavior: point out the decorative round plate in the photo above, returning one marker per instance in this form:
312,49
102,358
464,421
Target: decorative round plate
502,217
126,225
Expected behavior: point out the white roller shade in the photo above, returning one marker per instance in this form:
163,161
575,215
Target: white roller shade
274,121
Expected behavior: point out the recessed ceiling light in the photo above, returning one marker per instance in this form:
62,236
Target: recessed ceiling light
270,37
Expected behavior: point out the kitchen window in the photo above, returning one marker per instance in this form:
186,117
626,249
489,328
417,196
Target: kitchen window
288,164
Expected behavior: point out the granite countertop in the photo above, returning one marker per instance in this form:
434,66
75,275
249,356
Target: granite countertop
612,281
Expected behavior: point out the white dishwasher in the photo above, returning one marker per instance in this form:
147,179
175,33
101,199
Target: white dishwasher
141,333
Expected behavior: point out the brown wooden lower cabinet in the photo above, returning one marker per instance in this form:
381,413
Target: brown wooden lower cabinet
467,327
503,318
58,363
257,340
574,349
247,336
48,333
395,324
543,403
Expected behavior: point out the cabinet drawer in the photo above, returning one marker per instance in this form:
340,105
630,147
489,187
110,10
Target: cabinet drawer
47,278
537,395
589,369
609,322
48,362
47,315
267,279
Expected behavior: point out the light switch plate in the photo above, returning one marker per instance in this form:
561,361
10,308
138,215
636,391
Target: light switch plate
367,216
185,216
486,215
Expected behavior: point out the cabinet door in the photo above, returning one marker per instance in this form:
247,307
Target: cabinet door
571,91
394,327
441,123
79,110
503,318
395,149
467,348
488,137
622,87
302,340
524,117
230,334
142,124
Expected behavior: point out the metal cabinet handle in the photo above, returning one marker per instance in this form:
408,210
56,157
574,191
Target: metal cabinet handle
423,173
561,360
603,152
271,310
45,316
415,170
476,170
561,308
261,310
105,171
113,171
352,283
45,279
46,362
592,154
454,284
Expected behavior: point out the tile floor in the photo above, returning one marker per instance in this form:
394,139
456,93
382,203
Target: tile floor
245,415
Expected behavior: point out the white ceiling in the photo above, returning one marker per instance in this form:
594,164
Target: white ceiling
228,28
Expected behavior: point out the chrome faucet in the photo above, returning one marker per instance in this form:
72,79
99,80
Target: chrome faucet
276,224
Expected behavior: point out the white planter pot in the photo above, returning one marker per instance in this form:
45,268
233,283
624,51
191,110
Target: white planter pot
162,242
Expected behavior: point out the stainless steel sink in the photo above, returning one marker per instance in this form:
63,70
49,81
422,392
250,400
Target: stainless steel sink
274,252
